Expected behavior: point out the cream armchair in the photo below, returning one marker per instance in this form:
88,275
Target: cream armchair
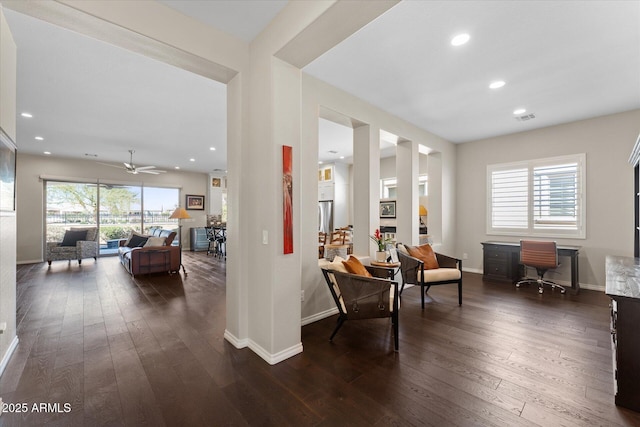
442,270
78,243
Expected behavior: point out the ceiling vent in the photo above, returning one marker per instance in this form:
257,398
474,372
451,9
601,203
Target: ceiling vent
333,152
525,117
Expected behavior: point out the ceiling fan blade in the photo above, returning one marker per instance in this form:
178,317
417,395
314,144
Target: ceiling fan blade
141,168
152,172
129,165
108,164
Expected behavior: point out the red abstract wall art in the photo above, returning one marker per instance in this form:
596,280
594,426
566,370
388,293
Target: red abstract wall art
287,197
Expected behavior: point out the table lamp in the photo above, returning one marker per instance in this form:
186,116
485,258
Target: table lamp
180,214
422,211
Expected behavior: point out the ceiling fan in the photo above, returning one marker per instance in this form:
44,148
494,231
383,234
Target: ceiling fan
133,169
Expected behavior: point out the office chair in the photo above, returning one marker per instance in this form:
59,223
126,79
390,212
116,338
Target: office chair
542,256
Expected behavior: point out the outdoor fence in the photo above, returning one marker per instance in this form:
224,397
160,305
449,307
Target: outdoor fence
112,226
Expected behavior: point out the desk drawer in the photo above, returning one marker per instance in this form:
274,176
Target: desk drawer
496,269
496,255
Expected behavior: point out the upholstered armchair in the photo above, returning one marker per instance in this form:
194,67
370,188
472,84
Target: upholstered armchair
359,297
428,269
78,243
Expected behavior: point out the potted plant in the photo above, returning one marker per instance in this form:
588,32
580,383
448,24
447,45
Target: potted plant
381,242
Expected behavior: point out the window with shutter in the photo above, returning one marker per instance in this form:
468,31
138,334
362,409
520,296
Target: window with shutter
543,197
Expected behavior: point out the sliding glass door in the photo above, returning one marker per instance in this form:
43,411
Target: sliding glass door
69,204
116,209
120,214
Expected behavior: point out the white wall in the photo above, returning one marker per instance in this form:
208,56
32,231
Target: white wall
8,63
607,142
30,191
215,194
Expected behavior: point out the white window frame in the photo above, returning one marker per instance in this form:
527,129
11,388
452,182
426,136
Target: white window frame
528,225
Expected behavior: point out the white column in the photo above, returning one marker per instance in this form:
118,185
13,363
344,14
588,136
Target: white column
366,187
407,171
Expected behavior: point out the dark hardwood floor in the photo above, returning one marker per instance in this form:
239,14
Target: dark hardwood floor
150,351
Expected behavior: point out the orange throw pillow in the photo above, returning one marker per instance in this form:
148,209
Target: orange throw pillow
354,266
425,254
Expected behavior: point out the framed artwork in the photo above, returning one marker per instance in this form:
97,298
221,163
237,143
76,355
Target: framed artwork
195,203
287,198
215,182
388,209
7,173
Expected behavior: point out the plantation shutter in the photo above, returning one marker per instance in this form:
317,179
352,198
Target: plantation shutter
555,196
510,198
541,197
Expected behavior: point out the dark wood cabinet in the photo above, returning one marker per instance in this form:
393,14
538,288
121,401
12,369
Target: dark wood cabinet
623,287
499,263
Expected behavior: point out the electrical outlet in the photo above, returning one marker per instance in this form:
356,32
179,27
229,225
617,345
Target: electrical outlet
465,256
3,327
301,295
265,237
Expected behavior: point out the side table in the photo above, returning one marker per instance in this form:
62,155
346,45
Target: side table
390,266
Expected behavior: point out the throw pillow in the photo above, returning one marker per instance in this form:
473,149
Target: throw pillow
337,265
71,237
425,254
354,266
136,241
155,241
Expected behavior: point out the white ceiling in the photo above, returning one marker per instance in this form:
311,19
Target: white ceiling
89,97
562,61
243,19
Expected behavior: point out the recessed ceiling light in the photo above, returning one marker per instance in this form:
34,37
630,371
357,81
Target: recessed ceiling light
319,163
47,152
460,39
192,160
342,157
212,148
519,111
177,167
27,115
497,84
39,138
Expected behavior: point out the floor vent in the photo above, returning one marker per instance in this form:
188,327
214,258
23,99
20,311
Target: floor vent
525,117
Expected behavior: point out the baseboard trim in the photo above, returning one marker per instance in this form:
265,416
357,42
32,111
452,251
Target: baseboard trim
30,261
319,316
590,287
472,270
271,359
8,354
278,357
236,342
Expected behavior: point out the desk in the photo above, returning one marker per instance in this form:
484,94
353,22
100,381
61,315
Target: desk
501,261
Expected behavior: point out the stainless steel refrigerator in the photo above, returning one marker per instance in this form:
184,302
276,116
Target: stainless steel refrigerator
325,216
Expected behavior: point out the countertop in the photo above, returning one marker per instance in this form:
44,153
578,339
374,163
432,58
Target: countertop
623,276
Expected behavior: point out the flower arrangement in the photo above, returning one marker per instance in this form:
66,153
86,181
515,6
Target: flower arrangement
380,241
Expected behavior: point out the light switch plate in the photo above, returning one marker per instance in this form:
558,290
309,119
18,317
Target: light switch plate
265,237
